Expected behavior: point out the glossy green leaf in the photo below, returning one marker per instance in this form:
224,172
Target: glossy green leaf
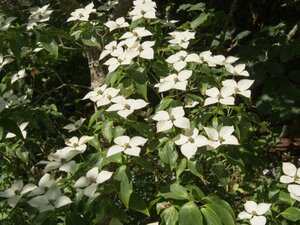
210,216
51,47
189,214
291,213
224,215
9,125
199,20
168,154
106,129
123,183
169,216
138,204
174,191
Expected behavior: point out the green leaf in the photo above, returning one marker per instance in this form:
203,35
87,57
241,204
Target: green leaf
169,216
174,191
94,117
164,103
138,204
224,215
51,47
286,198
16,44
142,128
107,128
214,199
199,20
211,217
189,214
75,219
160,67
242,35
90,41
168,154
123,184
22,154
196,168
292,214
141,83
181,167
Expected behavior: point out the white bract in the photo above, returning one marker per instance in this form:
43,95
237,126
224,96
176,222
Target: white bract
113,48
50,201
222,61
180,59
181,38
5,22
241,87
129,146
222,137
75,144
125,107
107,96
74,126
17,76
45,183
91,181
292,173
190,141
254,212
222,96
61,160
174,81
118,23
136,34
82,14
113,63
175,117
294,190
38,16
237,70
22,127
143,50
15,192
4,60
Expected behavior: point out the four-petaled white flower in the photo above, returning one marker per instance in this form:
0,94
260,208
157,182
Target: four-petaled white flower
113,48
74,126
174,81
114,63
129,146
75,144
125,107
107,96
45,183
118,23
292,174
143,50
50,201
91,181
222,137
180,59
182,38
82,14
143,10
5,22
17,76
38,17
175,117
190,141
254,212
15,192
222,61
237,70
22,127
136,34
241,87
222,96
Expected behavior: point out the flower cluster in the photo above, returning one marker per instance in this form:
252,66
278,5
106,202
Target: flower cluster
82,14
38,17
5,22
143,9
255,212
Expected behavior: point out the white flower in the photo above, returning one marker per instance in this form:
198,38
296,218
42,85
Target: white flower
143,50
144,2
174,81
22,127
237,70
15,192
154,223
74,126
8,99
146,11
254,212
180,59
82,14
221,60
5,22
114,63
240,87
129,146
4,60
181,38
292,174
206,56
96,93
113,48
50,201
75,144
17,76
175,117
222,137
190,141
136,34
91,181
45,183
107,96
294,190
38,16
190,103
215,95
125,107
119,23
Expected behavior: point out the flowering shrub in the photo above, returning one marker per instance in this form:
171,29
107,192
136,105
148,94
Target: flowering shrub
165,139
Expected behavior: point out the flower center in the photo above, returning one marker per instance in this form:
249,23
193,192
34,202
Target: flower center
191,140
17,192
126,106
